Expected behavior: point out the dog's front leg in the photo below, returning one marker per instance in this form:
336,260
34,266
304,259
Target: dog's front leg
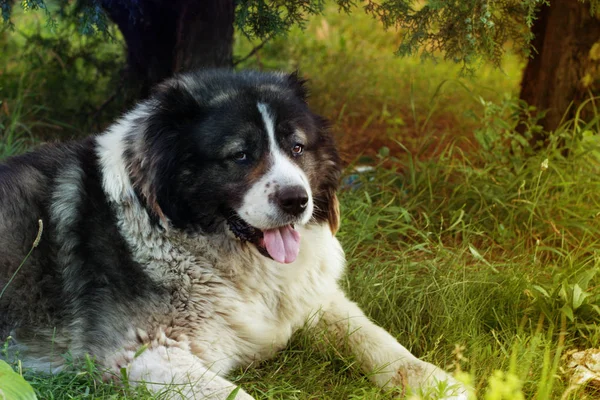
176,373
381,357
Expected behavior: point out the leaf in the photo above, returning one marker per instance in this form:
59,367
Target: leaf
595,52
476,253
587,80
568,312
140,351
458,219
565,293
233,394
583,279
542,290
124,377
595,308
13,386
479,257
578,296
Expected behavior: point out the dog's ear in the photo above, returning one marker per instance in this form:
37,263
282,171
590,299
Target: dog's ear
298,85
143,178
155,154
333,214
327,205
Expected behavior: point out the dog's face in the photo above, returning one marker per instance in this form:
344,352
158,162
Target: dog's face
243,149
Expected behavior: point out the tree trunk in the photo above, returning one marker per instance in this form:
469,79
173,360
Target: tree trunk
205,35
564,34
164,37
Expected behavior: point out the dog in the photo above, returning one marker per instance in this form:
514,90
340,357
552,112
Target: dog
200,228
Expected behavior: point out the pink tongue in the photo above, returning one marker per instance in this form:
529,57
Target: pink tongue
283,244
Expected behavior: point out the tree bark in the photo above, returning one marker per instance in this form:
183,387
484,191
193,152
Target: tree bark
165,37
205,35
564,34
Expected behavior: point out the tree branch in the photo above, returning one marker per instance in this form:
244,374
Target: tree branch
252,52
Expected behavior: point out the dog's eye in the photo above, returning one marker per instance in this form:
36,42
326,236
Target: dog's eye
298,149
240,156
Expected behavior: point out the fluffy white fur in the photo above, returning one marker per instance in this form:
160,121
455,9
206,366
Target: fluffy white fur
231,306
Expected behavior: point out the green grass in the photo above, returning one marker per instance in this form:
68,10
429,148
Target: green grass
474,251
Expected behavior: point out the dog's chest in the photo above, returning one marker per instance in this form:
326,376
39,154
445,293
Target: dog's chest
230,304
265,303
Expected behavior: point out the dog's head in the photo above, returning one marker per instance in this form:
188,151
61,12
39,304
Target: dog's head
241,150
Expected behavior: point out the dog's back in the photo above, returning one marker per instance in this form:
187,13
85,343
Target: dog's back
30,281
25,189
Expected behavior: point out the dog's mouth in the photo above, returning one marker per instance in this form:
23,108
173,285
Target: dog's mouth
282,244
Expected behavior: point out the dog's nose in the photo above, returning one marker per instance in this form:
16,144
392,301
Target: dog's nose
293,200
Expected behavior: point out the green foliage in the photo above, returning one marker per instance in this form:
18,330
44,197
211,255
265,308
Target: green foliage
51,75
497,135
504,386
594,7
91,17
465,32
572,294
264,18
234,393
89,14
13,386
15,135
6,9
73,64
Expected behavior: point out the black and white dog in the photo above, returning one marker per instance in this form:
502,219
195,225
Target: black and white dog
201,227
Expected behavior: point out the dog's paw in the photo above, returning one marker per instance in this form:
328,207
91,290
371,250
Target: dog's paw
427,381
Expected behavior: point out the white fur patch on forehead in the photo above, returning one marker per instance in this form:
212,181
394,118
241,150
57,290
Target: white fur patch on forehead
260,207
269,122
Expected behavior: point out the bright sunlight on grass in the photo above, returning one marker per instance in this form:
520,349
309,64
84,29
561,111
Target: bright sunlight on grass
479,254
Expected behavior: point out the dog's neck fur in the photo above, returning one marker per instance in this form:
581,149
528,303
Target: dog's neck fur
160,243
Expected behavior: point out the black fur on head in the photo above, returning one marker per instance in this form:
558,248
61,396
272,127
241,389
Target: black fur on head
184,166
298,85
